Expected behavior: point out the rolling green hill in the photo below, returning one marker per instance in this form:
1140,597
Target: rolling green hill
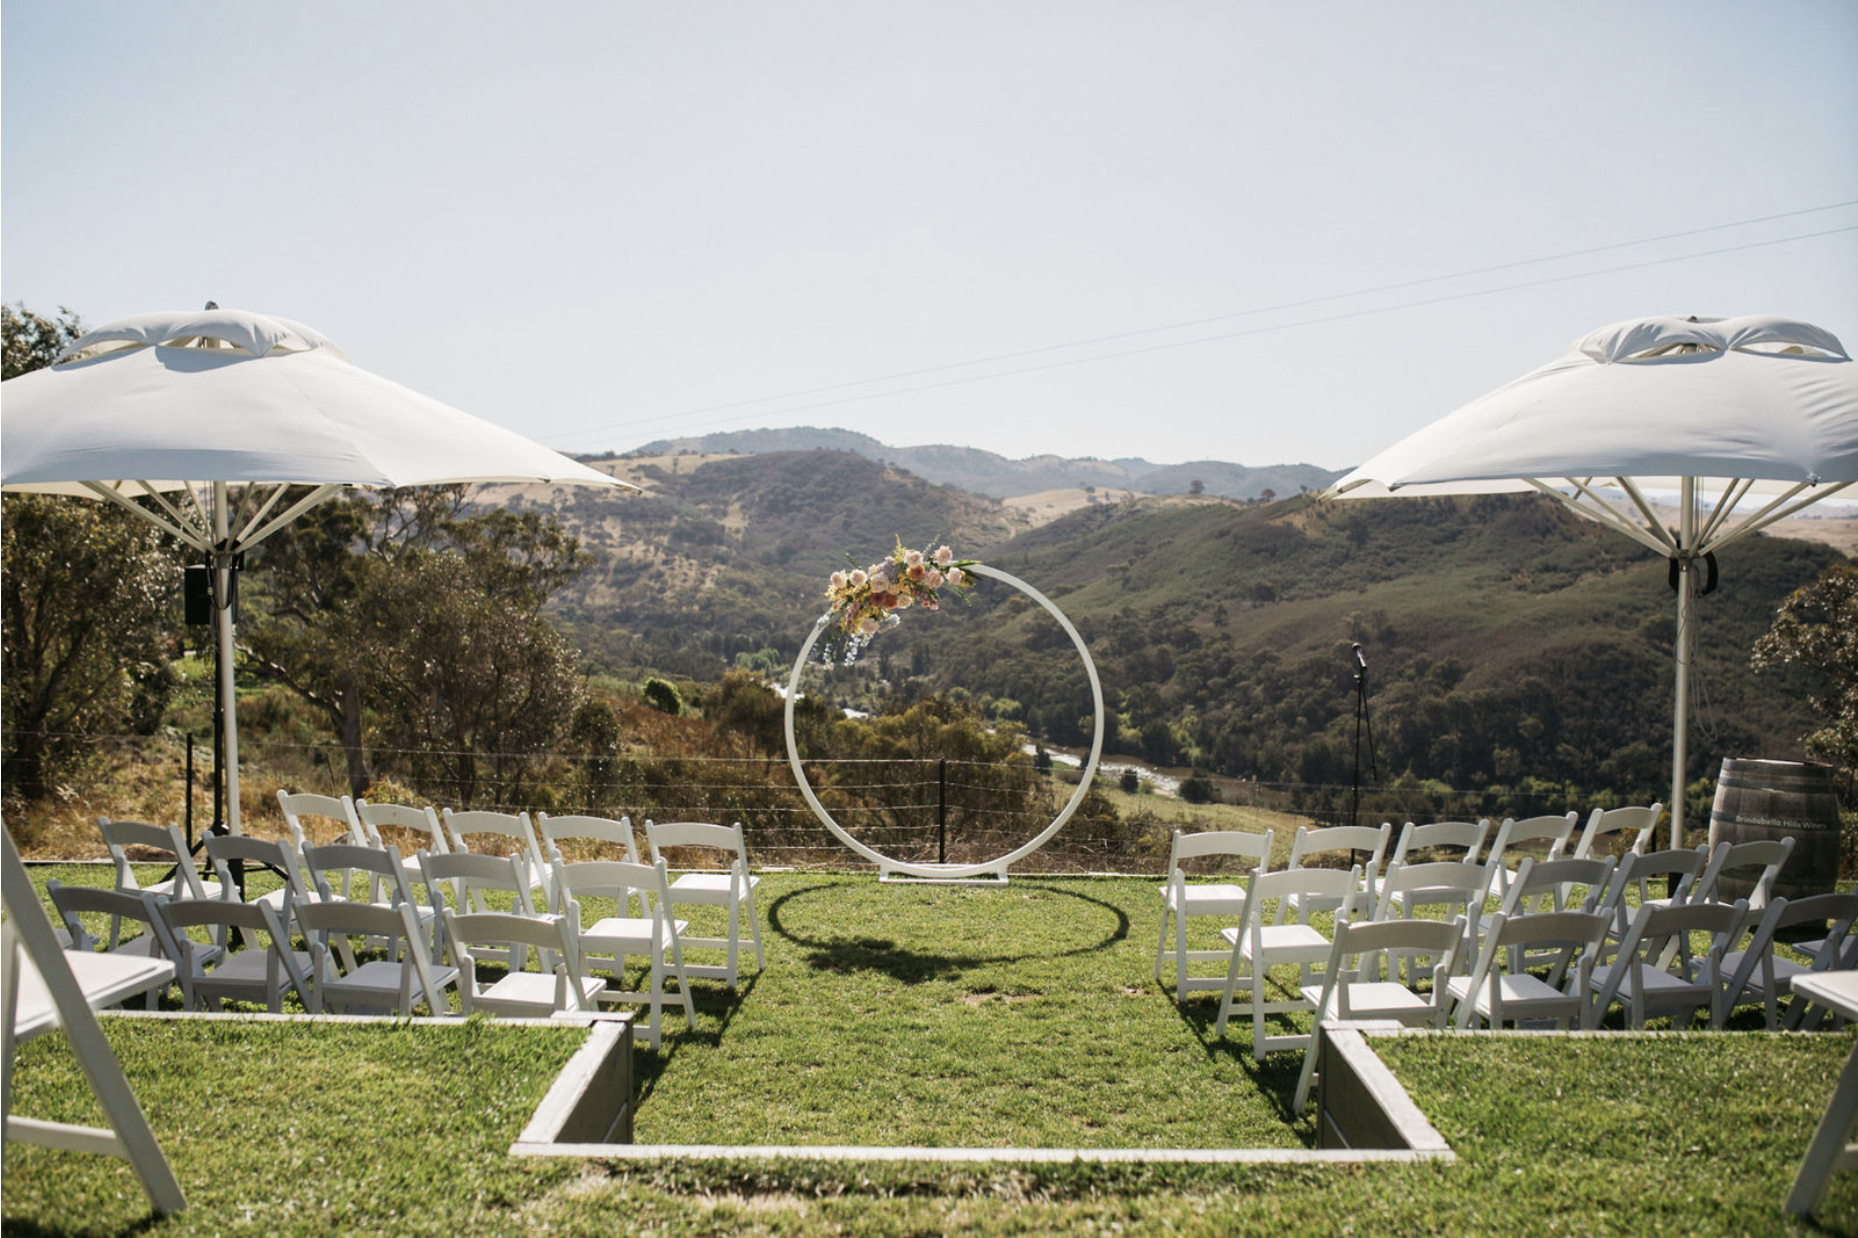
1507,641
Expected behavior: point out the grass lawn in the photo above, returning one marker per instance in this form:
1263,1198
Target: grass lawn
1023,1016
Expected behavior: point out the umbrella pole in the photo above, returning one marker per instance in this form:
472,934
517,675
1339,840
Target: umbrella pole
1680,731
222,603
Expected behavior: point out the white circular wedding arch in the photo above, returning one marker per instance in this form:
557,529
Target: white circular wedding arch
953,872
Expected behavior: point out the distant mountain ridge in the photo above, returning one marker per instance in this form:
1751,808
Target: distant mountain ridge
995,476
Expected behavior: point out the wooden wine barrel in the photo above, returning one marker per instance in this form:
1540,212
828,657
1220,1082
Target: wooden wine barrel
1779,799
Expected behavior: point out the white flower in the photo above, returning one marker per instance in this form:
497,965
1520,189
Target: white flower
838,580
867,627
956,576
858,578
933,579
912,558
903,601
944,556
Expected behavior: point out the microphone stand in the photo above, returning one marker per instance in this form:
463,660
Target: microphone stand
1362,723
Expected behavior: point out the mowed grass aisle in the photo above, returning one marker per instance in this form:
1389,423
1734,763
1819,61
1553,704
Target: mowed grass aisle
960,1016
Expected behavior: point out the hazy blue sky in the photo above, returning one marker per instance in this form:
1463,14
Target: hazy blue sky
606,223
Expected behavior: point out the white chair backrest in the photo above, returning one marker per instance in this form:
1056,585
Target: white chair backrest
1769,855
614,879
468,874
1637,872
514,827
556,830
223,849
1344,838
1443,883
661,836
1659,938
1467,836
380,863
1605,822
118,836
1314,887
1551,829
1241,843
73,902
421,825
1545,885
312,817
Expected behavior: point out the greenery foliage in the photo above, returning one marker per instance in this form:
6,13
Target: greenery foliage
1817,627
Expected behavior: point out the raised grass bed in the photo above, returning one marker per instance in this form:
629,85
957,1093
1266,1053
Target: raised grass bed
940,1016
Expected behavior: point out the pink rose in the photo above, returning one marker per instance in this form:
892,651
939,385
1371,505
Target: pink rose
903,601
867,627
912,558
943,556
957,577
934,579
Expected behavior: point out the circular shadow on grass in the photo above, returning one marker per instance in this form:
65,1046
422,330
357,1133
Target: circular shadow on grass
871,953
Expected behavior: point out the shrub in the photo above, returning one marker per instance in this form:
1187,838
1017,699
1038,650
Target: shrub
663,696
1197,788
1130,782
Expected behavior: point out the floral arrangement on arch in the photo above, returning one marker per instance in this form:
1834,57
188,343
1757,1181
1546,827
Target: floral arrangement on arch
867,599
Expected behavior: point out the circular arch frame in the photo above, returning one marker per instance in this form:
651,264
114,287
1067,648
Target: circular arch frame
953,871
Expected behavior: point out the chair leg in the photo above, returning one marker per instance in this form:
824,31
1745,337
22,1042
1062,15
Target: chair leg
1180,954
1308,1076
1161,944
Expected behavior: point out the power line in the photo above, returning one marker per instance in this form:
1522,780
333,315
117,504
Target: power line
1248,313
1203,339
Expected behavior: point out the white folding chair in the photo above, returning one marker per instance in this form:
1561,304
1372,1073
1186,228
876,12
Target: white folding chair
1680,867
119,836
1453,887
1349,993
1257,947
42,987
1553,885
605,942
138,906
1549,832
1769,855
1346,841
557,830
375,877
1181,900
1634,821
1758,971
1646,976
731,888
471,879
341,981
518,994
1499,990
258,973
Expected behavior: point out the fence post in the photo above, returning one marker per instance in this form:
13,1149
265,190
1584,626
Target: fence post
941,811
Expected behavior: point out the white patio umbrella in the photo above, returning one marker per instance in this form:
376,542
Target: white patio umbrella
1746,420
178,408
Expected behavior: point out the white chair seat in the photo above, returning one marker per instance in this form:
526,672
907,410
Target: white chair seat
633,931
1284,943
706,887
528,988
1207,900
176,887
380,980
1374,999
1521,993
248,967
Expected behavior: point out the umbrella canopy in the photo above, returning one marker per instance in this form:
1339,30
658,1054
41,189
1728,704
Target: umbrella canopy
1747,420
177,408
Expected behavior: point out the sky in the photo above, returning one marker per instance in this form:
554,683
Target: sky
1261,233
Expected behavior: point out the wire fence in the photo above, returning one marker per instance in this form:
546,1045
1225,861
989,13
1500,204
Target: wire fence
918,810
